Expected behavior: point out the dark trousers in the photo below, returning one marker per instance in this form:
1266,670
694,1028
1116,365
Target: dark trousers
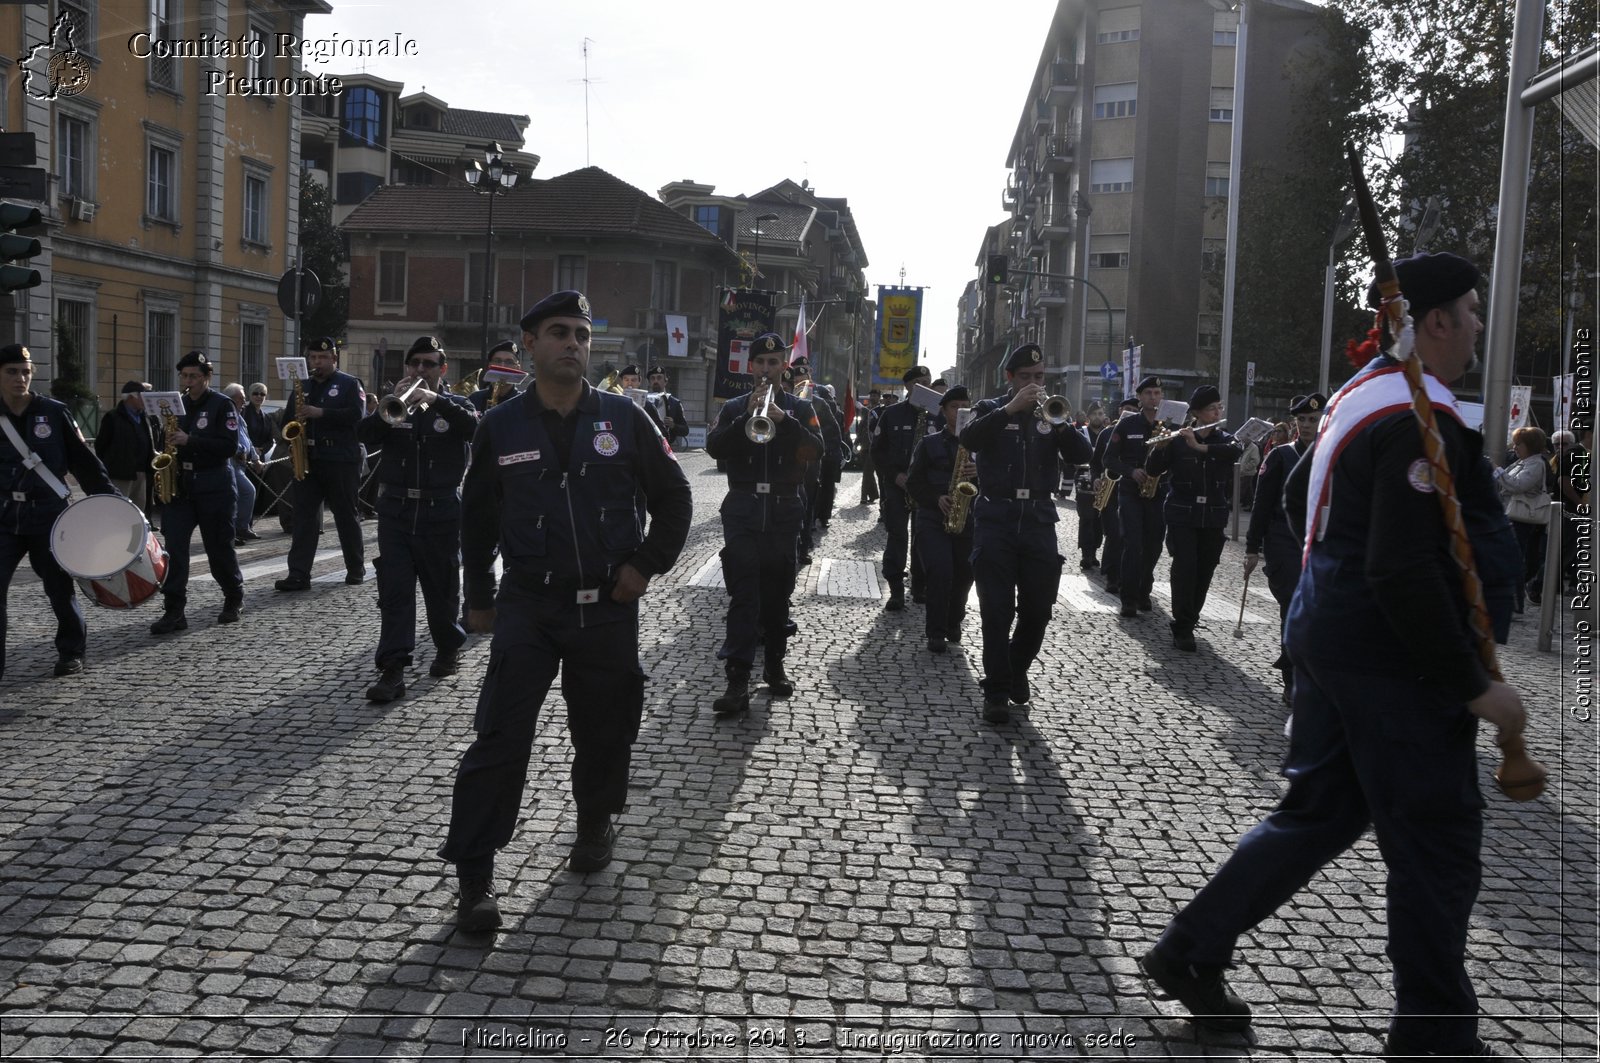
208,502
1018,574
603,686
1195,553
408,554
760,535
1090,532
1142,526
1111,524
869,481
1282,559
72,635
334,483
947,559
1367,749
812,486
826,492
897,522
1530,538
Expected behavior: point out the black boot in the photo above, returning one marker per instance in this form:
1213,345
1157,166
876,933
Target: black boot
591,849
777,683
477,911
737,698
171,620
897,596
444,664
391,685
231,608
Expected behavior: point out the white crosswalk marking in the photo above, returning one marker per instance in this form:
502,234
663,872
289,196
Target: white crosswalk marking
848,579
709,575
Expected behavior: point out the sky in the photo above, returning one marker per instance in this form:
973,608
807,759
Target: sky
906,113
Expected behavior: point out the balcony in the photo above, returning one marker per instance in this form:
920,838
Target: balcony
1058,151
1041,115
1064,78
1008,199
1051,295
1058,223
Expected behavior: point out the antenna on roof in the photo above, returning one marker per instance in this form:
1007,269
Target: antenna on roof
586,42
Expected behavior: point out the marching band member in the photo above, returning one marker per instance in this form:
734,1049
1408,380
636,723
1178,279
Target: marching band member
946,554
628,379
1091,532
1014,558
1140,516
554,475
502,355
1200,458
29,503
832,463
1110,519
334,403
419,517
761,518
677,424
894,435
207,436
816,471
1269,530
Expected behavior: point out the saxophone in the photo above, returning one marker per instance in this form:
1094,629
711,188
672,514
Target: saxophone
962,492
294,433
165,464
1102,493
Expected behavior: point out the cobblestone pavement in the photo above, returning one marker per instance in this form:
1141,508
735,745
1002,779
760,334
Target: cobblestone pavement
214,847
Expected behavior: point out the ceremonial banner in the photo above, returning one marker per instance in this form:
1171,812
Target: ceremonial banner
677,335
744,315
899,332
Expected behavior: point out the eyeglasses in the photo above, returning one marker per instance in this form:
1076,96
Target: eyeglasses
423,363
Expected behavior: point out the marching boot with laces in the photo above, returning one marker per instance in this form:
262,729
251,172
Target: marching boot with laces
897,596
171,620
390,686
777,683
737,697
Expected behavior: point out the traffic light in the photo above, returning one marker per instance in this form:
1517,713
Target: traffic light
16,216
998,269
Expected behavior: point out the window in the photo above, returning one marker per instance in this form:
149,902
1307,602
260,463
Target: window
1108,260
1099,329
1117,25
1225,29
160,349
252,350
391,276
1116,36
1217,179
163,69
1222,105
362,113
74,163
160,202
1209,335
1213,256
255,208
709,218
571,273
80,16
1225,38
1111,175
258,63
74,316
355,187
664,288
1116,101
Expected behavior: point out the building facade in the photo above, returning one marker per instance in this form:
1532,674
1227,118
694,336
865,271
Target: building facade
172,197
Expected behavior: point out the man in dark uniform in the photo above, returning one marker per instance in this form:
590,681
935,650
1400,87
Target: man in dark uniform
894,436
1388,691
677,424
866,427
947,556
208,437
125,444
761,517
1269,531
334,404
30,500
554,476
1140,516
1110,519
501,356
1091,533
1200,459
1014,558
628,380
419,518
817,471
833,461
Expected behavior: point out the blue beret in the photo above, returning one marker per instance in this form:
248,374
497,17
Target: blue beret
561,304
322,343
425,345
1151,381
658,369
1024,357
629,370
195,360
916,372
1204,396
801,362
13,353
1308,404
1128,404
767,343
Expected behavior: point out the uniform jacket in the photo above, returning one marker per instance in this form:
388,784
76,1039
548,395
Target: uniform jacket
929,479
1200,490
261,425
212,424
1269,531
828,424
27,504
124,446
1126,451
779,462
332,437
569,529
424,459
1019,461
894,437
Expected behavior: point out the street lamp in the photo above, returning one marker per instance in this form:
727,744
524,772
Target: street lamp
755,265
501,178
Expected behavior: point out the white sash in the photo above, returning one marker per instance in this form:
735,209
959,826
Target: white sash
32,461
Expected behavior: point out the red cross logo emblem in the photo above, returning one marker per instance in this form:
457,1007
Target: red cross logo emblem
677,335
1516,411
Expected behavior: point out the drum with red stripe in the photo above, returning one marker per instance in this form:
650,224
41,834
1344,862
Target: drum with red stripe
104,543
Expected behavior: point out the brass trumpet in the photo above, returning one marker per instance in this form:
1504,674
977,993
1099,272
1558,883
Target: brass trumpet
1053,409
393,408
761,428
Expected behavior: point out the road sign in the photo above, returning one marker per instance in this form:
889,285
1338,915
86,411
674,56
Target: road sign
22,182
1249,374
310,292
1109,371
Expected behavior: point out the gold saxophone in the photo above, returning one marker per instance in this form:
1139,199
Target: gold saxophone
294,433
165,464
1102,493
1159,439
962,492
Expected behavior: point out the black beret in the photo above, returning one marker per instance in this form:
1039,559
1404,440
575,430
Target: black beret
1430,280
322,343
503,347
1204,396
12,353
561,304
940,383
135,385
959,393
195,360
1025,356
1128,404
661,369
628,370
1308,404
801,362
915,373
767,343
1151,381
425,345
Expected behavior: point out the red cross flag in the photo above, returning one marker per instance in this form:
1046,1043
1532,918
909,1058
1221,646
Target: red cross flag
677,335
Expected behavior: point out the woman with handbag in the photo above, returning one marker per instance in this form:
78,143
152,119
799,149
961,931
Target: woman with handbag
1527,501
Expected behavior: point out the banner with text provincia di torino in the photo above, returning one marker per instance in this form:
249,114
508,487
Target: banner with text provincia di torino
894,342
743,316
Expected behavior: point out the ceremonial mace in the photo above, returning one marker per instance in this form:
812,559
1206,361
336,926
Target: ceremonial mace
1238,629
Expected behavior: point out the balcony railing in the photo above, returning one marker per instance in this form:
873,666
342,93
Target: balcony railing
1064,76
1059,150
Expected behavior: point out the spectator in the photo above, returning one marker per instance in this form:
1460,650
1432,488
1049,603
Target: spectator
244,516
126,442
1526,495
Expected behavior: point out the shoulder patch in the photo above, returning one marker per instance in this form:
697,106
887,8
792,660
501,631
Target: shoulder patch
1420,476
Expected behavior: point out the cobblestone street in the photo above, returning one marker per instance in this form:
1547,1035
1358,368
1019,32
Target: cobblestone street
214,847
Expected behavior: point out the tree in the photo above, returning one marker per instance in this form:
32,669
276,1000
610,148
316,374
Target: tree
323,246
67,385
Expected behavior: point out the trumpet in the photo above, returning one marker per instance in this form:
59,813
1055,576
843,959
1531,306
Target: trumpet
394,408
805,389
760,428
1053,409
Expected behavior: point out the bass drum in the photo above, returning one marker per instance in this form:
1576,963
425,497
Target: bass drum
104,543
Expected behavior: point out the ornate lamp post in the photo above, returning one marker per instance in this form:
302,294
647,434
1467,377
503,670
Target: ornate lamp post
500,179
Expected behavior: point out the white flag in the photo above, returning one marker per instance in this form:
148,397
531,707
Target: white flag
677,335
802,349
